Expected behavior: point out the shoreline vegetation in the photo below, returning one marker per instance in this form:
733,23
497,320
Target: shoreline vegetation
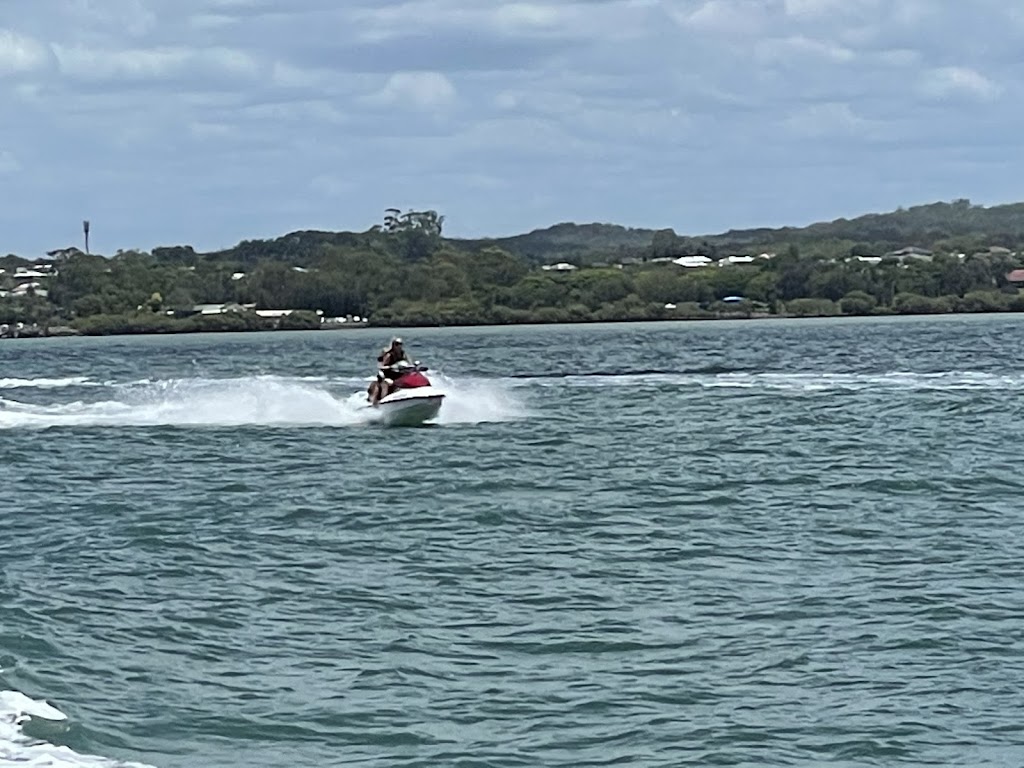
940,258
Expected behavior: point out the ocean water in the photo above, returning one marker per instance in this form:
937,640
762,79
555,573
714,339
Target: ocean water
755,543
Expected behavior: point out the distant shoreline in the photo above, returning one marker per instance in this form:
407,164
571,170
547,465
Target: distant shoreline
928,260
66,332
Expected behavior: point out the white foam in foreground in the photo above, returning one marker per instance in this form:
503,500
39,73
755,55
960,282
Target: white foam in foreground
25,708
18,712
264,401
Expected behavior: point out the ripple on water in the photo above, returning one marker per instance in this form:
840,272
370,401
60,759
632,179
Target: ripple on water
795,545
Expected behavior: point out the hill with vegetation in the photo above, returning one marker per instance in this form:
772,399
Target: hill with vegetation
569,242
943,257
943,226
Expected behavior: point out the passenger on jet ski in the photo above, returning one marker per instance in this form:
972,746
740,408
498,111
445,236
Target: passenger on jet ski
388,358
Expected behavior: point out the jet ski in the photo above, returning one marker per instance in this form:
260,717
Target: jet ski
413,400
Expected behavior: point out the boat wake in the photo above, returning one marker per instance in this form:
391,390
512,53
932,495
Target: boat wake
257,401
808,382
48,383
318,401
25,726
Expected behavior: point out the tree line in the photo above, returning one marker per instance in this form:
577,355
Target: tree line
406,273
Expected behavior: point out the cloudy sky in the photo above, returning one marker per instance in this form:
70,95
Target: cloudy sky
211,121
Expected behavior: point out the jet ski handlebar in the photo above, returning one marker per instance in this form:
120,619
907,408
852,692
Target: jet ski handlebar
404,366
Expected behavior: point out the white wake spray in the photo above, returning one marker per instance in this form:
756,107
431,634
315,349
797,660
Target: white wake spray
256,401
45,383
24,725
790,382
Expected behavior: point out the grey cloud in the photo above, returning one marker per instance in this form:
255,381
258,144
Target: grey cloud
207,121
437,51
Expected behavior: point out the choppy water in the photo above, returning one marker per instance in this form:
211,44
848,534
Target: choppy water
652,545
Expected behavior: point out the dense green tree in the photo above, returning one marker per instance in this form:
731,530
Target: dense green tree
406,272
665,244
857,303
657,285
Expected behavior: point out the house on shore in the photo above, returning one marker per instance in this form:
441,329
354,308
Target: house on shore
739,258
33,288
349,321
1015,277
692,261
32,280
910,253
215,309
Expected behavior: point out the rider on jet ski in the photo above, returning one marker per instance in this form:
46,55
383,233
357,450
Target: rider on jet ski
388,357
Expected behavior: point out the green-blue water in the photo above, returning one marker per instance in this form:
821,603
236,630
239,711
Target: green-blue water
757,544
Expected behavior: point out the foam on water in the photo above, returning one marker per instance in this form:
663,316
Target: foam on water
19,714
47,383
262,400
793,382
475,401
893,380
317,401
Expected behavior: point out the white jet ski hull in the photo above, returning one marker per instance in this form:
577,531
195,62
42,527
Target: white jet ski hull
410,407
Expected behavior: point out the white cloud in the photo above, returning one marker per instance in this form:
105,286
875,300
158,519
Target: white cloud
946,82
829,120
726,17
518,16
290,76
545,102
89,64
605,104
798,47
899,57
422,90
154,63
315,111
21,54
212,20
235,4
509,20
805,10
131,18
914,12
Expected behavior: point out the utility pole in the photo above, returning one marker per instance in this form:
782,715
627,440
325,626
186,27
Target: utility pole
85,229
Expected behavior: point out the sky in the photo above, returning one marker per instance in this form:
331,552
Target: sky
206,122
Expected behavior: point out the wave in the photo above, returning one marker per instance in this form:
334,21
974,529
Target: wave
790,382
260,401
706,369
25,725
892,380
45,383
477,401
320,401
